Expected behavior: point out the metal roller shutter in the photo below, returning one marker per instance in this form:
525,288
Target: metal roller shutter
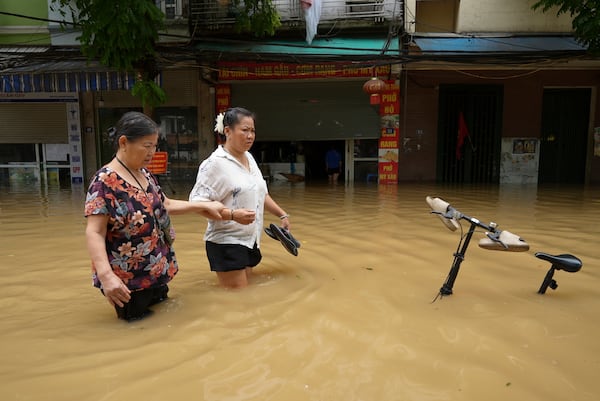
308,111
33,123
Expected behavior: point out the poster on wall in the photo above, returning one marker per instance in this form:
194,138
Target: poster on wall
57,152
520,161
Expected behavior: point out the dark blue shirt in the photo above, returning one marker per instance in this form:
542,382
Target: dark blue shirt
333,159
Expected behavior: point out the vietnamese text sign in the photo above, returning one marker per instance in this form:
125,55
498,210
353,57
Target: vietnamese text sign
234,71
389,111
158,164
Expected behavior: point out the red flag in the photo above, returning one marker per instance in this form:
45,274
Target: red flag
463,133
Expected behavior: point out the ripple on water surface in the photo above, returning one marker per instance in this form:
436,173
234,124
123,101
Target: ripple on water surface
350,318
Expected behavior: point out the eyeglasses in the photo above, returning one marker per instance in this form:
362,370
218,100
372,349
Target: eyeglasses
150,147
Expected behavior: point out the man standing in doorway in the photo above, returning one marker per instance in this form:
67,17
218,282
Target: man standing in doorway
333,164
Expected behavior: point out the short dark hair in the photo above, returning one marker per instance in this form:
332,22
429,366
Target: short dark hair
234,115
133,125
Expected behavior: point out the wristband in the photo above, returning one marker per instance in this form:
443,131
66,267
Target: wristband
284,216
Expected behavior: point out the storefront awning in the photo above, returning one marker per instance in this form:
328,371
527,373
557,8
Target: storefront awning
73,76
497,45
371,48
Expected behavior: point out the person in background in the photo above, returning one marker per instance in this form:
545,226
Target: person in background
129,234
333,164
231,176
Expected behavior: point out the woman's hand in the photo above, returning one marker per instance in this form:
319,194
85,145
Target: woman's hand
273,207
285,223
243,216
115,291
211,210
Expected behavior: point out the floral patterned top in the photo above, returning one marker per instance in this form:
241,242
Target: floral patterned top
136,250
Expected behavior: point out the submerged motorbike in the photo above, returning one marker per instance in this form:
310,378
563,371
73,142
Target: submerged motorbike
494,239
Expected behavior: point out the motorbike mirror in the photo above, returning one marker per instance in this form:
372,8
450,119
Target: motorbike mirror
440,207
506,241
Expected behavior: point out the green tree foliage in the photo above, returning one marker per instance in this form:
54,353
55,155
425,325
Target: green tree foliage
586,19
257,16
120,34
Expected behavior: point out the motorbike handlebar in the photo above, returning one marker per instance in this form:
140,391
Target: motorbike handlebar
503,241
495,239
441,208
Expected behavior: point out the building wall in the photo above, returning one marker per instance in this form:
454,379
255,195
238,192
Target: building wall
16,30
482,16
522,110
418,128
508,16
34,8
436,16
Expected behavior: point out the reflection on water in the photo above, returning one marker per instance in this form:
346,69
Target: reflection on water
350,318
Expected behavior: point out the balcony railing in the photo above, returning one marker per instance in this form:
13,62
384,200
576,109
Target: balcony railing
220,14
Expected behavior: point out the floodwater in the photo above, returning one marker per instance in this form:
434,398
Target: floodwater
351,318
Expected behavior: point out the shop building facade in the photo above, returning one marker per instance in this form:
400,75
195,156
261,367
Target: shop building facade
528,93
513,81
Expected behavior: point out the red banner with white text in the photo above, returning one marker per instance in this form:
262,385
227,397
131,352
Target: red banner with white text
389,110
241,71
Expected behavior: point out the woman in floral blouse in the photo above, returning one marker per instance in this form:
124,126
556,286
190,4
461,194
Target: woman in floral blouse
129,234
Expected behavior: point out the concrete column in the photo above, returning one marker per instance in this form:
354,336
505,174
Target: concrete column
87,104
206,118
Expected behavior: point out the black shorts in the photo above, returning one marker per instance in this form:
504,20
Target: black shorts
332,171
137,307
229,257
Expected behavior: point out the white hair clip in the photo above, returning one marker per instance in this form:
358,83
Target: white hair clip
219,127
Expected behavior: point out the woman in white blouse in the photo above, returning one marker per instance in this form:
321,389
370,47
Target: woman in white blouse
231,176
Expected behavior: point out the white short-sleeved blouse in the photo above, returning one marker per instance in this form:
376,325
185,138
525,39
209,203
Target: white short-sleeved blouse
221,177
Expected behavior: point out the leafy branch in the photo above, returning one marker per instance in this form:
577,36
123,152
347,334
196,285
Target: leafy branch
586,19
257,16
120,34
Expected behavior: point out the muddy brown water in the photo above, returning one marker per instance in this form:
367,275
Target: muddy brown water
351,318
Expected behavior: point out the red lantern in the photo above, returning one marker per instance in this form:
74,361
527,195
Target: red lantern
374,87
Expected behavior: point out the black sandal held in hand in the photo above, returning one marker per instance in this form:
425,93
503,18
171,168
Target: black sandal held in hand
286,238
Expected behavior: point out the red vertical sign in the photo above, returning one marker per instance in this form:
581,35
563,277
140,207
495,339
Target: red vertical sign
222,97
223,101
389,111
158,164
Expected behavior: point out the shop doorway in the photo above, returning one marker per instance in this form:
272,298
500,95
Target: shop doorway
565,122
304,158
307,158
44,142
26,164
19,164
479,158
315,154
362,156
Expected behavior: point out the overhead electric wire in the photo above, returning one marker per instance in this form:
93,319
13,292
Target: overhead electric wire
37,18
481,36
174,53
